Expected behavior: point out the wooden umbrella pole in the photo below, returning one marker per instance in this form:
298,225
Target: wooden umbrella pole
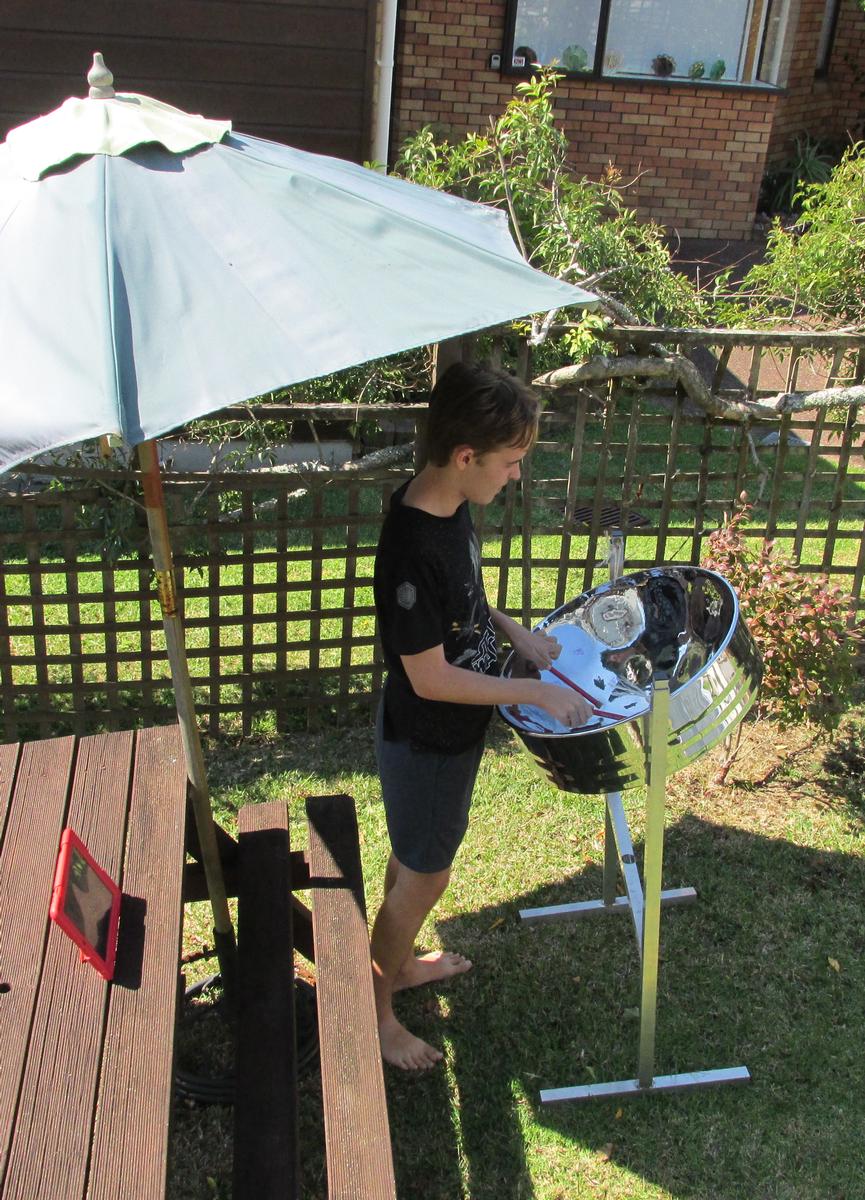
157,521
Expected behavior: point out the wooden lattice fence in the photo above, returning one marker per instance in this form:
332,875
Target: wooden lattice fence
275,567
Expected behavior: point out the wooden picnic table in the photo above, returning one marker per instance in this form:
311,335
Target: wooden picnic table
86,1067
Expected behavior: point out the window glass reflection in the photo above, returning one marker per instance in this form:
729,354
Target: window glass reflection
677,37
560,32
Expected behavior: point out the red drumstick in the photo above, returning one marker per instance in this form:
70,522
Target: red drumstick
593,700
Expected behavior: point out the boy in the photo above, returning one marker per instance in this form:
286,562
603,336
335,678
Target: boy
438,637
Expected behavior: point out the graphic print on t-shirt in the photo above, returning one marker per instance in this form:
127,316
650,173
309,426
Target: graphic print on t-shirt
406,595
476,630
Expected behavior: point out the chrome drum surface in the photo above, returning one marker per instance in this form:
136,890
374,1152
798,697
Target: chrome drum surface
678,623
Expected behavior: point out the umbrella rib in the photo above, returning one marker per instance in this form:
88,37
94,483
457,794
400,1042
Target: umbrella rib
109,292
458,202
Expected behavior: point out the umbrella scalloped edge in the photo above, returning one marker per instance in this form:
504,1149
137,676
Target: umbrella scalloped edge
106,125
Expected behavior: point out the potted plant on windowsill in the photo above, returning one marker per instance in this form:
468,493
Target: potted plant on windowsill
575,58
663,64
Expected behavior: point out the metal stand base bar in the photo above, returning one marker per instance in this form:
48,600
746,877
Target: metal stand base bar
660,1083
621,904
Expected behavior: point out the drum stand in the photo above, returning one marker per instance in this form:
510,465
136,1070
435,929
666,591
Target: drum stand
643,900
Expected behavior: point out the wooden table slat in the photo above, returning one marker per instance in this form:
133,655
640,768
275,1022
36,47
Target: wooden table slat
51,1146
32,836
130,1141
359,1158
8,763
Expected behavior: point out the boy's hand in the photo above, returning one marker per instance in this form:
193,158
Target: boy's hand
565,705
537,648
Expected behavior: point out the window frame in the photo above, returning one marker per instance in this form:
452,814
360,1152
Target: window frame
826,43
780,48
596,71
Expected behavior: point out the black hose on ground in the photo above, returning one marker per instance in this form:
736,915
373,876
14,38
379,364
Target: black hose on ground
219,1089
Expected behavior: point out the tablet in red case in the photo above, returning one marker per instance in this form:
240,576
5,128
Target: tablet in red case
85,904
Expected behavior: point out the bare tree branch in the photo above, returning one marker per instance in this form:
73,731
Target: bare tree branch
387,456
508,196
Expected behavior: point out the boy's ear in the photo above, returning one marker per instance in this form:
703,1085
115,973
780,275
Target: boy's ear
463,456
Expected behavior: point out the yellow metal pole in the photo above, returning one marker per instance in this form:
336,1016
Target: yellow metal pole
157,522
653,862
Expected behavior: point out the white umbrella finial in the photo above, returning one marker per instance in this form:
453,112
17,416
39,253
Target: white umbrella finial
100,79
117,124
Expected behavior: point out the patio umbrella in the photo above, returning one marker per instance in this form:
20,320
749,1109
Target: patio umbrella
156,266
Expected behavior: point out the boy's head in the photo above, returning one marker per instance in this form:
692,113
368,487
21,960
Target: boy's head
481,408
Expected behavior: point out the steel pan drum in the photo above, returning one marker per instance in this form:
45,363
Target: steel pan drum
677,623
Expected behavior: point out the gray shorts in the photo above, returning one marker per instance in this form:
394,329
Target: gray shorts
426,800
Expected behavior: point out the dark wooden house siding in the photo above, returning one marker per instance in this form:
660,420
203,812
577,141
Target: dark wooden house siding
291,72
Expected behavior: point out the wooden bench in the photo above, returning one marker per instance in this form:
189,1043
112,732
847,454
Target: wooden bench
357,1134
86,1067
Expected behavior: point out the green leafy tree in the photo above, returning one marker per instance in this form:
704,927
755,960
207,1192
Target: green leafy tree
569,226
816,268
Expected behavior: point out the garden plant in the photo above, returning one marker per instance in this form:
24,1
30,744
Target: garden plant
813,272
800,622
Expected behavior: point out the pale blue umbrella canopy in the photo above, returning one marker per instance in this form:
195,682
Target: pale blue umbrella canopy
155,267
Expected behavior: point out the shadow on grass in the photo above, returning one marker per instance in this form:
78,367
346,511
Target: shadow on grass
765,970
326,756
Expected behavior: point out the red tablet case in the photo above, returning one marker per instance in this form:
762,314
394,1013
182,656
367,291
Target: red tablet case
85,903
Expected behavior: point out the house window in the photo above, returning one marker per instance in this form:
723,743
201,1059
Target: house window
679,39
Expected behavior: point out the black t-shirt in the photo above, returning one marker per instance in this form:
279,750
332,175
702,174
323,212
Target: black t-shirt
428,592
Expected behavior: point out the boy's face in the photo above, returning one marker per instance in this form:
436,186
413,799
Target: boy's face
484,475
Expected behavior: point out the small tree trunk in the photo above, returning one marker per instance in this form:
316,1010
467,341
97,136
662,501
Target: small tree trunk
732,745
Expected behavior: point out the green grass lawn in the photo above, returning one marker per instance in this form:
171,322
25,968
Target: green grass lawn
765,970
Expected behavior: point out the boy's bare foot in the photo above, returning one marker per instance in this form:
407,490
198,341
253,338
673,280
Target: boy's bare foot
427,968
403,1049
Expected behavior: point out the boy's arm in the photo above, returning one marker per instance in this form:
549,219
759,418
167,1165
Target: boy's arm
432,677
535,647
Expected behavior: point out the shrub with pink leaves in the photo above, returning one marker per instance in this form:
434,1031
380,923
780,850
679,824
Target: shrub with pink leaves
799,622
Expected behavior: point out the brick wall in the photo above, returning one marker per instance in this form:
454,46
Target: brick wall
832,106
699,151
